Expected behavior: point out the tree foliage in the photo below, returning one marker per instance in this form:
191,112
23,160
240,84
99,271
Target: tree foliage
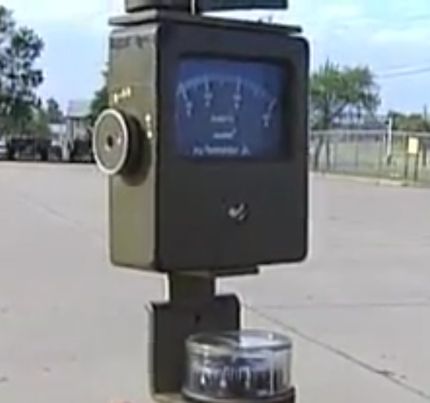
53,111
40,124
414,122
20,48
100,100
335,90
99,103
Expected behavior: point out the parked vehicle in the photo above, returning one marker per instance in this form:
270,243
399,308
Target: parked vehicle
67,141
56,151
27,147
3,148
78,138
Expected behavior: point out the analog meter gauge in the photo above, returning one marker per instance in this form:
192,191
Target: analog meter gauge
229,109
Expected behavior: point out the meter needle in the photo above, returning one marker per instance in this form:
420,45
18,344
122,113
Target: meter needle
267,117
208,96
237,97
188,104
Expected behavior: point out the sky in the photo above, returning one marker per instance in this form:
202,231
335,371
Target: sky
390,36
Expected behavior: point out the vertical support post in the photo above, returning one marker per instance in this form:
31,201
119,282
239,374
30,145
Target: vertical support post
389,154
424,145
328,152
335,152
406,155
193,308
417,163
380,155
184,287
357,152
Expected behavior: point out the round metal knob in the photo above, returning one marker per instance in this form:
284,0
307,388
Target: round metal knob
112,142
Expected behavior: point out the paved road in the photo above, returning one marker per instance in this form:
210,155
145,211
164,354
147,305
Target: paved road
72,329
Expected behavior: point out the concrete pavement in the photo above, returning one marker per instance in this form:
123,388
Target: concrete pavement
72,328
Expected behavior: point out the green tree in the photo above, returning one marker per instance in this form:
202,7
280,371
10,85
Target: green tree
99,103
20,48
53,111
414,122
334,90
6,28
40,123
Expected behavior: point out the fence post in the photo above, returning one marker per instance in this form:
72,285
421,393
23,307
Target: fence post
417,160
328,152
406,151
357,152
317,152
389,155
335,151
424,151
417,167
381,144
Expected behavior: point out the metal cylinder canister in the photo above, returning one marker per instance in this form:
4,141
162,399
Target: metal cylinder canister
245,366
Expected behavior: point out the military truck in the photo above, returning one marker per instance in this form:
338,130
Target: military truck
77,141
27,147
3,148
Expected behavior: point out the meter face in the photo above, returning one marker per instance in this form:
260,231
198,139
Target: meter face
230,109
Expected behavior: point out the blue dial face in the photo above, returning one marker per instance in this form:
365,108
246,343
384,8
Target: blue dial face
229,109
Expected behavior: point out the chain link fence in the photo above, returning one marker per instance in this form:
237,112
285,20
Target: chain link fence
385,154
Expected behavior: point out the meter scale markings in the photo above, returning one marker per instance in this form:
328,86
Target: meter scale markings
223,115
